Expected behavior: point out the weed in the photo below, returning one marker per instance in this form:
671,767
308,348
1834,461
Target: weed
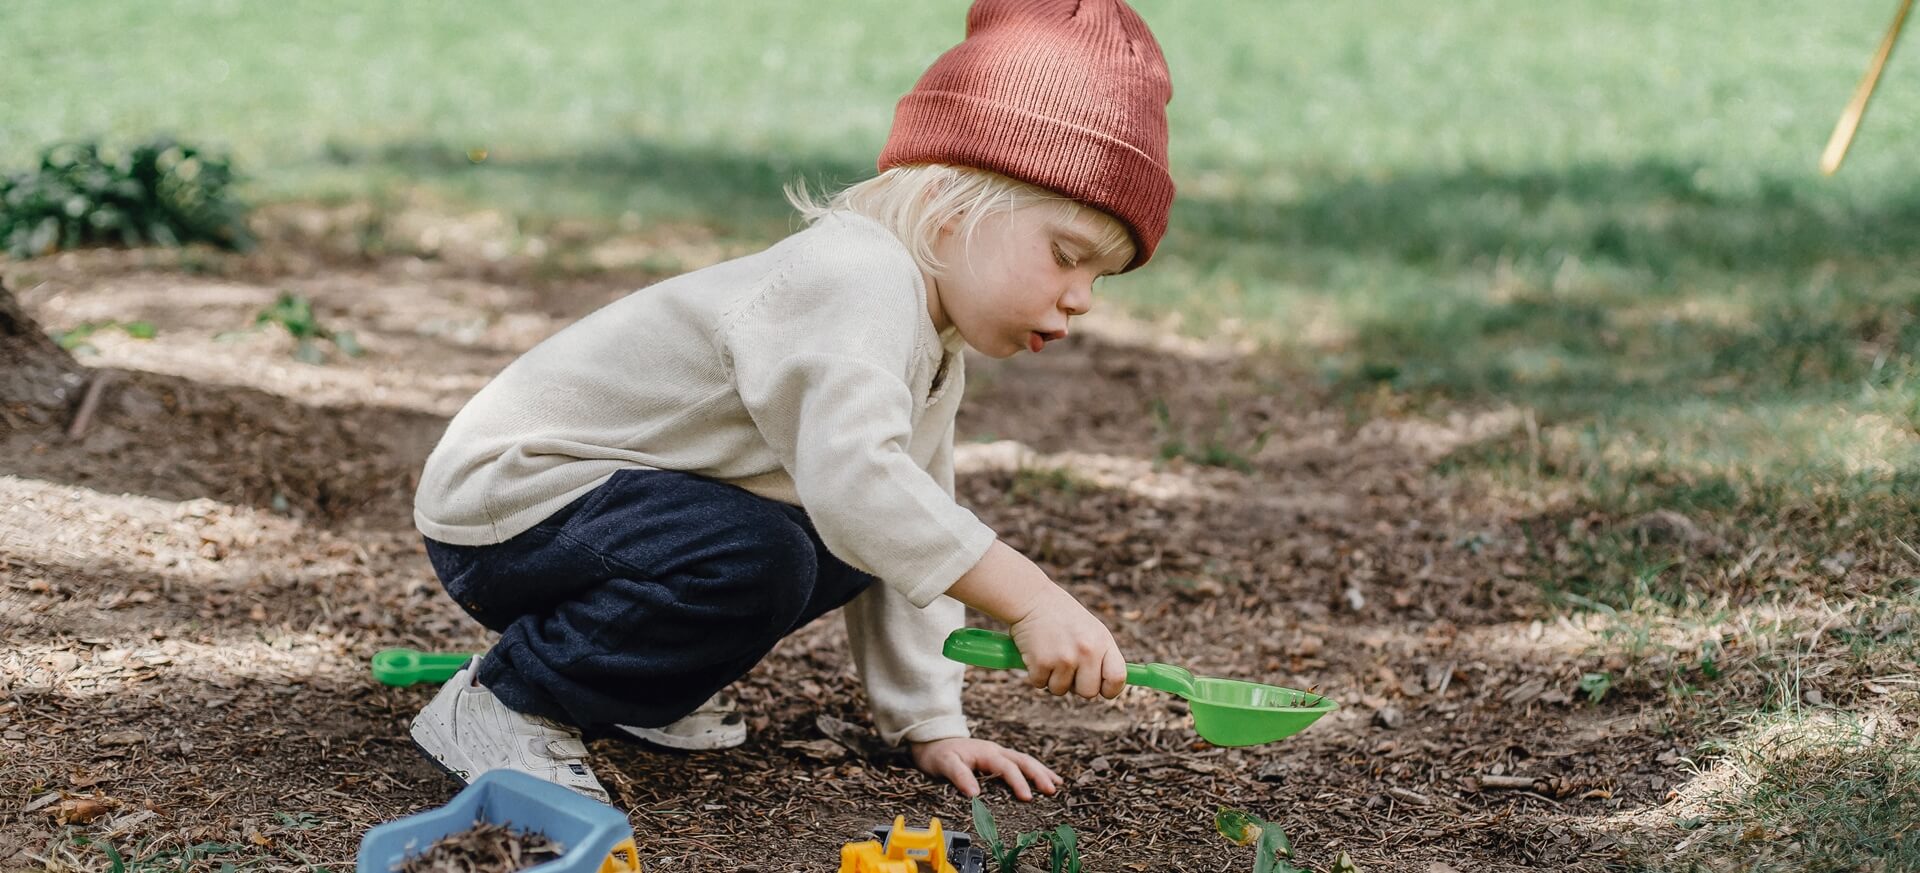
1596,686
74,339
294,312
298,820
153,856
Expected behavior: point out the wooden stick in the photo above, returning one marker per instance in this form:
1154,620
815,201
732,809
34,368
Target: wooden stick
1857,108
1523,783
88,404
1412,797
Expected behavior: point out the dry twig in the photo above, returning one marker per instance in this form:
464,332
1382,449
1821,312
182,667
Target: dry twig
1518,783
88,404
1413,797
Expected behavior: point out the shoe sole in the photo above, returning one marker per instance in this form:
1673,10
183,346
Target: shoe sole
464,781
435,760
444,769
709,743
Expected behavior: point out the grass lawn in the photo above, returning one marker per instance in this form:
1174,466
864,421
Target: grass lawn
1604,214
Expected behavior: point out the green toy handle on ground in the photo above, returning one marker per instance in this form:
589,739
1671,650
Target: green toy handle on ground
402,667
1226,712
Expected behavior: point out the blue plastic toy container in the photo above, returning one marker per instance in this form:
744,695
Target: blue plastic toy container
594,837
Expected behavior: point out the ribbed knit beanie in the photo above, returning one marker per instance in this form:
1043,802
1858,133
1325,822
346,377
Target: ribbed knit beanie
1069,95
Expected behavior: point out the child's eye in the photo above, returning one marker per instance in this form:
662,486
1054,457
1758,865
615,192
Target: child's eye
1060,257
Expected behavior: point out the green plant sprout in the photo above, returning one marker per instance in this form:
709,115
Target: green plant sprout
1063,845
1272,852
294,312
1064,853
1596,685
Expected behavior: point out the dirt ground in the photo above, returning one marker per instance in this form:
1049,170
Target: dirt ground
191,588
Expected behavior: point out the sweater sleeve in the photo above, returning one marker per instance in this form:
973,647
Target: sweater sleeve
912,689
821,357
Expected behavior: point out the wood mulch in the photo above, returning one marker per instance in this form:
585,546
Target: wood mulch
487,847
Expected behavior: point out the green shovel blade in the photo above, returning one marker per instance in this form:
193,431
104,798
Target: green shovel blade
1226,712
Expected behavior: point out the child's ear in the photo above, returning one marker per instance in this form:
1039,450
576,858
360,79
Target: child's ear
933,189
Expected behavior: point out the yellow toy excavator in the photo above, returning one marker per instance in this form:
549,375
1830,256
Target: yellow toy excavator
912,850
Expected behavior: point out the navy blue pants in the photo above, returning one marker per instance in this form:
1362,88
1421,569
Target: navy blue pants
636,602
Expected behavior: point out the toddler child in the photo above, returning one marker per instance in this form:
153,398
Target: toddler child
646,502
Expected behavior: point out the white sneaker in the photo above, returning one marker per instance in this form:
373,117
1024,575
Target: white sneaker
468,731
717,724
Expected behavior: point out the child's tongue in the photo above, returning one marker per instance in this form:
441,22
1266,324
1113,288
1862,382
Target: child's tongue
1035,343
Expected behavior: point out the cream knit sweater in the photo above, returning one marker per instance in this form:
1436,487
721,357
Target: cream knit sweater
808,373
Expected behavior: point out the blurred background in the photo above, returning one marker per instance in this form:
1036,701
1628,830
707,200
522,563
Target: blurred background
1569,204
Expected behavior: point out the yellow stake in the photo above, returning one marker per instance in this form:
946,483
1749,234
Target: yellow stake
1856,108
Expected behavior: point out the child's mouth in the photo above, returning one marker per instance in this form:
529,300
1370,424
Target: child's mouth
1035,342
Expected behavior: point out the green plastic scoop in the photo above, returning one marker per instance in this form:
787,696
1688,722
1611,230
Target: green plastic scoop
402,667
1226,712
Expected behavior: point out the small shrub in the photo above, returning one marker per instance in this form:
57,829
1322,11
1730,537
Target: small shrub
83,194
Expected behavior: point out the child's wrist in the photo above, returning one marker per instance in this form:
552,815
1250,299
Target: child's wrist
1045,598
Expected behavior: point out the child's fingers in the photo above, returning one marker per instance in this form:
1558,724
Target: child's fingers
1113,674
1088,681
1060,681
960,773
1043,776
1009,772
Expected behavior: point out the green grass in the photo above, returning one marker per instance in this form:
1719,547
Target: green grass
1809,793
1580,207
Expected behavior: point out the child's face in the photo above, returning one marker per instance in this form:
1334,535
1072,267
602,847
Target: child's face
1024,273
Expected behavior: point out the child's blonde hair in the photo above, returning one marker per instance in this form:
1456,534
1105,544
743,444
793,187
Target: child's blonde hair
916,201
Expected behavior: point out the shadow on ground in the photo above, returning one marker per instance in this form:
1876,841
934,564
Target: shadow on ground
178,439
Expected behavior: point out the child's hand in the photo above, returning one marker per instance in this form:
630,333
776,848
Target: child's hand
958,758
1068,649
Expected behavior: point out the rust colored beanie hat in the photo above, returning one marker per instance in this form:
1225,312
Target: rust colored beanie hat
1069,95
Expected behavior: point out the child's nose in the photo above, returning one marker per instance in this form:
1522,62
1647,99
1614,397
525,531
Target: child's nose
1078,299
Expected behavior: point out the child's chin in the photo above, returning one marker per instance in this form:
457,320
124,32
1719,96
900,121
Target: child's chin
1007,352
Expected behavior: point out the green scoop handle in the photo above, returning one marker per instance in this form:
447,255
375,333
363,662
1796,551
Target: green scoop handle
996,651
402,667
1226,712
